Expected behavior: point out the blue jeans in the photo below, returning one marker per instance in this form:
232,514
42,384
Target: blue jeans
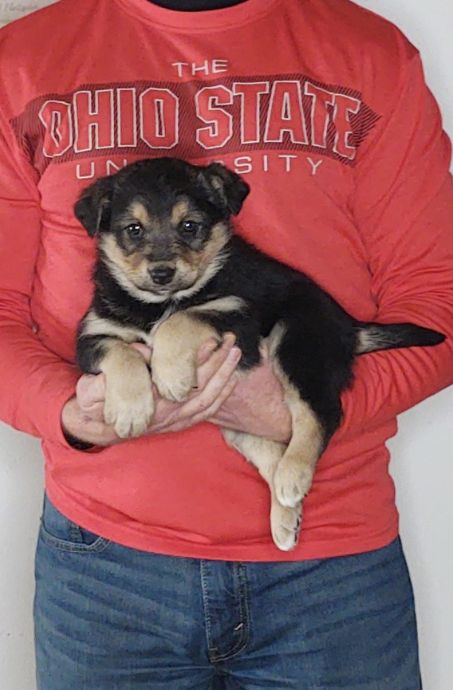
112,618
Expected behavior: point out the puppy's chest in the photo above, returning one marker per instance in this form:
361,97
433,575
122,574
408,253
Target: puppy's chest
148,333
222,306
124,326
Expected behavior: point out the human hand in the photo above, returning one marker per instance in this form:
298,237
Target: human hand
256,405
83,415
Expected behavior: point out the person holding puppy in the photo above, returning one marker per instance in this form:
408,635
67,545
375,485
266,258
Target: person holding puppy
155,566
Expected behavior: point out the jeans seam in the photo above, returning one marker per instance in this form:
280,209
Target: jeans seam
245,618
97,546
207,617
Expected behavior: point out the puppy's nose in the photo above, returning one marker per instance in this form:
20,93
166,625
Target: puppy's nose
162,274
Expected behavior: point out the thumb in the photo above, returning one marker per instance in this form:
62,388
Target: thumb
144,351
206,350
90,389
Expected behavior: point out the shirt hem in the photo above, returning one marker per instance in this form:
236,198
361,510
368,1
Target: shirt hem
251,552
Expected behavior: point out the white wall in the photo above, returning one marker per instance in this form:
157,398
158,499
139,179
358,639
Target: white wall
422,452
422,455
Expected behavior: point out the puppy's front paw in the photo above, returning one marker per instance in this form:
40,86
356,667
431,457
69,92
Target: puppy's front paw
174,377
292,481
129,408
285,525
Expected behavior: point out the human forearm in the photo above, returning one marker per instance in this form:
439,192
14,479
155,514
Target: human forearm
35,382
81,426
388,383
414,283
403,206
385,384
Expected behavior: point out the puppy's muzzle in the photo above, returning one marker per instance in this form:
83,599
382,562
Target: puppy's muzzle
162,275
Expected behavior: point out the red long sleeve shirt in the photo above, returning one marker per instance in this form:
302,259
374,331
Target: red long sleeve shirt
322,107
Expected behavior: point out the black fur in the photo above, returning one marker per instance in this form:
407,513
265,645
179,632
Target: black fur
321,339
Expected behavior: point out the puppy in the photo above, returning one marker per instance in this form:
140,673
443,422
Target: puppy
171,274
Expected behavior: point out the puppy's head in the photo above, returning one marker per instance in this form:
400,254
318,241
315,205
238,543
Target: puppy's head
162,224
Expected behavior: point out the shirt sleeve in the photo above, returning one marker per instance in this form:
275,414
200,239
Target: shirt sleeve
403,206
34,383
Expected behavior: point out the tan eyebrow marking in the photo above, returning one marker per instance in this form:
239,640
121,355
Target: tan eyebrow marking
140,213
179,211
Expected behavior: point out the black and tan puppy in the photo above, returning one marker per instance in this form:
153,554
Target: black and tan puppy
170,273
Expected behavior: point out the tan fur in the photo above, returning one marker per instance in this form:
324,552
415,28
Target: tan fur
288,470
175,347
294,473
221,304
134,279
134,265
176,342
265,455
218,184
130,271
140,213
219,238
193,268
129,401
274,339
179,211
373,338
206,262
95,325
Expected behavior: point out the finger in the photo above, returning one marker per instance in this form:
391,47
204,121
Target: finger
215,385
166,413
211,345
177,416
212,409
206,350
94,412
209,368
264,352
180,423
90,389
144,350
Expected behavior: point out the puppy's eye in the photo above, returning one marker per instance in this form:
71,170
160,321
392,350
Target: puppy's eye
190,226
134,230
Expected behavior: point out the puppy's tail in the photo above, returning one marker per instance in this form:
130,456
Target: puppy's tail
377,336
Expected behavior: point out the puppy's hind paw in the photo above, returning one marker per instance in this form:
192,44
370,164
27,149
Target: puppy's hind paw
292,482
285,525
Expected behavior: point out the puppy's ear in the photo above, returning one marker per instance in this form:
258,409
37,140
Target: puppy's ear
229,188
92,209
